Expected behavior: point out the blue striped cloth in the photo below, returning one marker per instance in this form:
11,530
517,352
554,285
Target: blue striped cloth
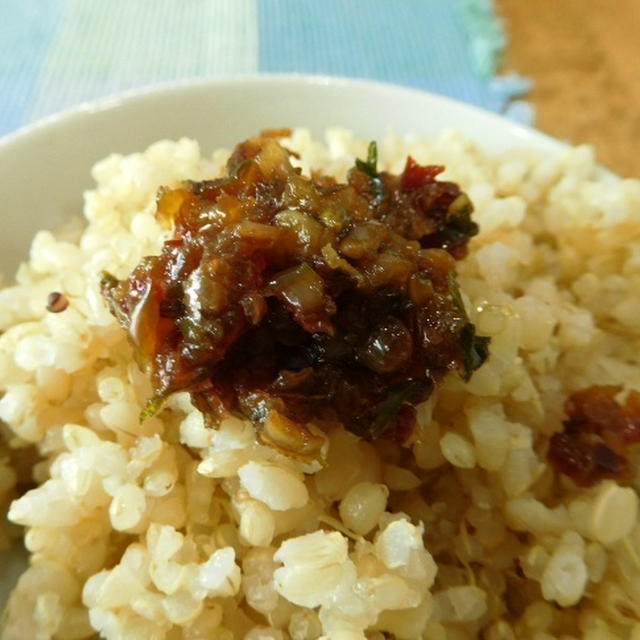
57,53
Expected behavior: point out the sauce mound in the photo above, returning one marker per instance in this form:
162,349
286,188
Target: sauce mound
295,300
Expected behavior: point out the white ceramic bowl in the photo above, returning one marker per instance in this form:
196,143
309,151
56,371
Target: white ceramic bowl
44,167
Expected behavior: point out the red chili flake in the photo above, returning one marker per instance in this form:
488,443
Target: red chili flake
596,435
415,175
57,302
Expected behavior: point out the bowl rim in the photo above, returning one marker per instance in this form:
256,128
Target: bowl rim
113,101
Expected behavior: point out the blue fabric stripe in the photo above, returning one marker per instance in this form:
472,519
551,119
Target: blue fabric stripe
106,47
419,43
26,32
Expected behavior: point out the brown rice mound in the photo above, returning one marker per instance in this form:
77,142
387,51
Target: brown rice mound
170,529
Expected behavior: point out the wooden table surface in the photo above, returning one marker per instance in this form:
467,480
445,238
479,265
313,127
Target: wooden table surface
584,59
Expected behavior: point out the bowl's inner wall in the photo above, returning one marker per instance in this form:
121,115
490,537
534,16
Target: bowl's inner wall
44,170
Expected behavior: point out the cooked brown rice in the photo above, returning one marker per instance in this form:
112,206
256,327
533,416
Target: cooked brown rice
169,529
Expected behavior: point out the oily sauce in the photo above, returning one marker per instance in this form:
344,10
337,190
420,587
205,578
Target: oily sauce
293,299
597,433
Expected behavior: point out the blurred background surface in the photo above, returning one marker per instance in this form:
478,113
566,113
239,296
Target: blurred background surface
583,57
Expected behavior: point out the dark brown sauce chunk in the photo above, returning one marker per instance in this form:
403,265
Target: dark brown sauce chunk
596,436
290,299
57,302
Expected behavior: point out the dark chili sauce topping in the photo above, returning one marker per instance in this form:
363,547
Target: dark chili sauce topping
291,299
596,437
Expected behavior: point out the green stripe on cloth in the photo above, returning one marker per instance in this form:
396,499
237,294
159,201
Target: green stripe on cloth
485,34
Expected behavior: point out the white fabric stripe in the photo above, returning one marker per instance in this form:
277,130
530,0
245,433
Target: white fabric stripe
106,47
